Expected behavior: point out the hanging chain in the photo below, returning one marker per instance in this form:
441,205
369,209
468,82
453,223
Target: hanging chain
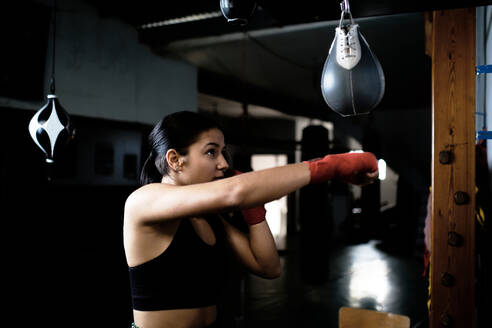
345,8
53,43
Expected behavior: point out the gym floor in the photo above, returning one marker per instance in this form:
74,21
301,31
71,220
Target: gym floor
356,275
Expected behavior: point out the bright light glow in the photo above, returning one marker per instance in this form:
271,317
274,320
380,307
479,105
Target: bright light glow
180,20
369,279
382,169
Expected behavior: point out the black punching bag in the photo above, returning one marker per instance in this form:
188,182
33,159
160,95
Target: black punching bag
237,11
315,212
352,81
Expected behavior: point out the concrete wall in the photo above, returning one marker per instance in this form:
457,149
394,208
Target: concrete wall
102,70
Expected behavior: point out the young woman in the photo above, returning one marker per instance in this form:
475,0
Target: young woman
176,227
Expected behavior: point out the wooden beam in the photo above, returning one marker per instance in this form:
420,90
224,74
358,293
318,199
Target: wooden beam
453,183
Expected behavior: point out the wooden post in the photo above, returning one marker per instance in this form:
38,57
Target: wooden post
453,169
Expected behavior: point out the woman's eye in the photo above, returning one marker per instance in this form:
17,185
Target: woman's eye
211,152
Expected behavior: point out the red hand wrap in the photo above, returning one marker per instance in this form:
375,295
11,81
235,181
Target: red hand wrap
253,215
344,167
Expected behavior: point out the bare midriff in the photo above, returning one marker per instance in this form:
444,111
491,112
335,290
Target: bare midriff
180,318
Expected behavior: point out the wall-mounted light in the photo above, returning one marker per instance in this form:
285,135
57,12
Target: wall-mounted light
382,169
182,20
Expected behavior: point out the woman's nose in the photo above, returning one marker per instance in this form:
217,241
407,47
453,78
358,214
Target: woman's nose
222,163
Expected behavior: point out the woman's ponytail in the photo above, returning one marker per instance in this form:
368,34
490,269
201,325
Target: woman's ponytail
149,173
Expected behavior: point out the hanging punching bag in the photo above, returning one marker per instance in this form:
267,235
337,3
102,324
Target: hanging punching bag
50,127
237,11
352,81
315,213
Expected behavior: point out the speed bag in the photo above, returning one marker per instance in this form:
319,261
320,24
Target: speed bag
352,81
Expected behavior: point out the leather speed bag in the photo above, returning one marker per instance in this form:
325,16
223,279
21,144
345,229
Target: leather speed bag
352,81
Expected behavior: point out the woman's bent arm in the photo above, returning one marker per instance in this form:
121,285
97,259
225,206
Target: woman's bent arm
257,251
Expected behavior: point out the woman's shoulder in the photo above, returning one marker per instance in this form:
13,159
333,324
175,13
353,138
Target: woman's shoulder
143,195
149,190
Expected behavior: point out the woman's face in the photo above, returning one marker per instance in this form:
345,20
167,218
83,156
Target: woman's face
205,160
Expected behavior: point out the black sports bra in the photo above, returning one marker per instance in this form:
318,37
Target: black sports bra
188,274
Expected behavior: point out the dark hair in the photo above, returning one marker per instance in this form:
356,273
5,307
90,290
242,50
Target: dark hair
175,131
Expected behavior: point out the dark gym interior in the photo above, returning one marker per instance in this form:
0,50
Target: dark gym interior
64,261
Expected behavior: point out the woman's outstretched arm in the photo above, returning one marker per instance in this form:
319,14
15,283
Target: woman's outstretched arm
160,201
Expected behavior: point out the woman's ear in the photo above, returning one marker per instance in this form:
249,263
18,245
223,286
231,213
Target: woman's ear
173,159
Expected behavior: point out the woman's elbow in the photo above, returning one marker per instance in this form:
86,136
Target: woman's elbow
273,272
